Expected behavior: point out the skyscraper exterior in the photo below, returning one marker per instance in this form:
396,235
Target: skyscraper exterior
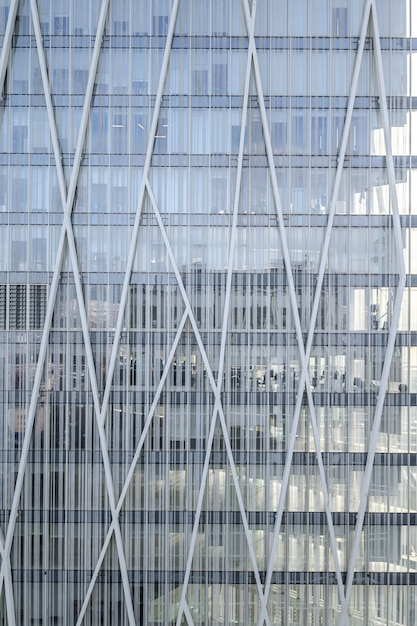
208,312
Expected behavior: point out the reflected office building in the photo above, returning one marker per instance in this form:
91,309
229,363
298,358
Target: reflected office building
208,312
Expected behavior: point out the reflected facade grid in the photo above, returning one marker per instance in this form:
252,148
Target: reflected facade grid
208,312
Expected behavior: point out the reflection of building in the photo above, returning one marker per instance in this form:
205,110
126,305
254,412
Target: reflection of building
208,356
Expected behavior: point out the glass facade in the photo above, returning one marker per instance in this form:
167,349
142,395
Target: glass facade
208,312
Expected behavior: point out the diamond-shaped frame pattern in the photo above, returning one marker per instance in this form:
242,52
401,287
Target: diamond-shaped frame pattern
67,243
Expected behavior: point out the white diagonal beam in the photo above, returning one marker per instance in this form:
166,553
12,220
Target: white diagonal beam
154,404
95,575
226,310
216,387
226,313
89,354
305,375
188,313
5,574
48,101
188,615
8,584
22,467
132,250
338,176
101,430
133,464
183,608
84,322
388,143
49,313
101,415
133,242
373,439
60,254
7,43
31,413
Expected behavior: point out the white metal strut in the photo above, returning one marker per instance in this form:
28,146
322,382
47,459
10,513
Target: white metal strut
7,43
373,439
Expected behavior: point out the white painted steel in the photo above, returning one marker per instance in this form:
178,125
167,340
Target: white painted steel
216,390
7,43
145,172
304,378
66,228
133,464
373,438
100,409
183,602
94,577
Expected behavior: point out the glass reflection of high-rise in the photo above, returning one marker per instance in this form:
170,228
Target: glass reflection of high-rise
208,312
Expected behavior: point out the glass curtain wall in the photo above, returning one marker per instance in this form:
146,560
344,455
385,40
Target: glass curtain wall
208,296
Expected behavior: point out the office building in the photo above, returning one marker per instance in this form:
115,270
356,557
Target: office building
208,312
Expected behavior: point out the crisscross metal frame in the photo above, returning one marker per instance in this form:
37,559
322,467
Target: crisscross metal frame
67,242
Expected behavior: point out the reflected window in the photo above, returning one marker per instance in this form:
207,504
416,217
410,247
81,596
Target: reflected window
99,130
299,132
319,134
279,137
22,24
20,137
219,80
159,24
120,27
220,17
219,202
119,133
61,25
38,250
80,79
199,82
138,133
140,87
340,22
